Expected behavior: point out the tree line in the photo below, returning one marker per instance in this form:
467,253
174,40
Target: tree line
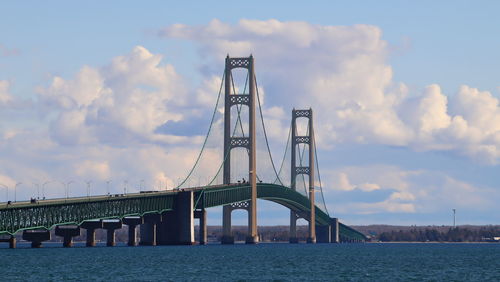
456,234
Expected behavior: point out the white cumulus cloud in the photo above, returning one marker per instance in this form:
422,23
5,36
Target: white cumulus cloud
342,72
126,100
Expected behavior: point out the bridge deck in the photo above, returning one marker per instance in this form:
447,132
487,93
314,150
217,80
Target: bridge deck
46,214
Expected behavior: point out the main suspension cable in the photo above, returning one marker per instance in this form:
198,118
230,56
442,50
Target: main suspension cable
206,137
286,150
265,133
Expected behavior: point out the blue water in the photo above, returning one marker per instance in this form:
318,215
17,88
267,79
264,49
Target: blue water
285,262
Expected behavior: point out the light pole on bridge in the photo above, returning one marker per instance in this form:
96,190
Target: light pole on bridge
7,191
15,190
43,187
66,187
88,187
37,185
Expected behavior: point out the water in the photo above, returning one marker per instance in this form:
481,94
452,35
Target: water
321,262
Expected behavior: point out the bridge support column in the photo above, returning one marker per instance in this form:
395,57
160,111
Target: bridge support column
293,227
36,237
177,227
91,226
11,240
301,168
334,225
202,215
132,223
110,227
248,142
227,235
67,232
148,229
323,233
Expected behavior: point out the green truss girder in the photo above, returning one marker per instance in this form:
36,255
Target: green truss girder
47,214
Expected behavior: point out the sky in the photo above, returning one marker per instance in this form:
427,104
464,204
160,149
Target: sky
119,94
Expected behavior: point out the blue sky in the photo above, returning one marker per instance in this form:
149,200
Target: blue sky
405,94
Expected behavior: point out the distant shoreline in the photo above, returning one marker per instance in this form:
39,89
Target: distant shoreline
433,242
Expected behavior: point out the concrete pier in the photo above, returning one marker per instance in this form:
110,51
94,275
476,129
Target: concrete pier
227,235
149,229
110,227
132,223
36,237
293,227
334,233
91,226
11,240
202,215
177,226
67,232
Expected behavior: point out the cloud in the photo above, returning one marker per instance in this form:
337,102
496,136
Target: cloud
93,170
7,181
343,183
343,74
5,96
394,190
105,124
124,101
386,206
369,187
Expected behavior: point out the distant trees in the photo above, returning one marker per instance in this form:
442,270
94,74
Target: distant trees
458,234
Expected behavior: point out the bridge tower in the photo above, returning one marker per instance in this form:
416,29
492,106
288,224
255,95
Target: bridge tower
248,142
307,170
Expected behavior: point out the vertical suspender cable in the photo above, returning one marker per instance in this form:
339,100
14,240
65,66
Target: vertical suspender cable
319,176
284,154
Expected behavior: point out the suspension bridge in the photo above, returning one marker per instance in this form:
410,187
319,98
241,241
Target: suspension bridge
246,172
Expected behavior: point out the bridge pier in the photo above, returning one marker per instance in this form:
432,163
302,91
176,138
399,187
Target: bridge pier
334,233
36,237
293,227
149,229
202,215
177,227
91,226
132,223
67,232
227,234
11,240
111,227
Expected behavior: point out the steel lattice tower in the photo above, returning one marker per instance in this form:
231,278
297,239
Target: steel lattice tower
248,142
307,170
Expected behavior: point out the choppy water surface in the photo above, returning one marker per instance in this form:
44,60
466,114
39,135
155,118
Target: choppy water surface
322,262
